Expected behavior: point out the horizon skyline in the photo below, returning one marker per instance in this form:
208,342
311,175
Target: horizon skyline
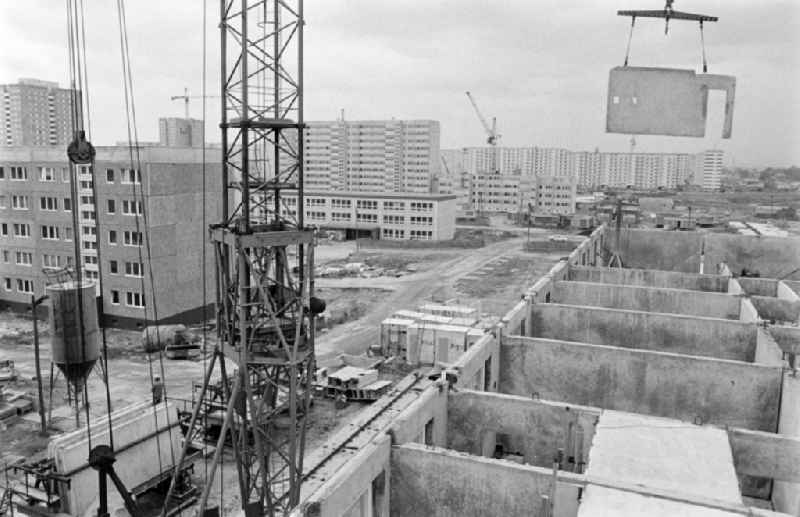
378,60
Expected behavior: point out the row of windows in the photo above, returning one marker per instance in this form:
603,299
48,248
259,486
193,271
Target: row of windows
25,286
51,232
20,173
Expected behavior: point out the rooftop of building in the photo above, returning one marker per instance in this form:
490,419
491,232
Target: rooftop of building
377,195
116,153
664,386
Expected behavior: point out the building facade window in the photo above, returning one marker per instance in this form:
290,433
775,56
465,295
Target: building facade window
24,258
51,261
48,203
25,286
132,238
112,236
109,175
47,174
113,267
115,297
134,269
22,230
112,206
50,232
130,176
18,173
134,299
19,202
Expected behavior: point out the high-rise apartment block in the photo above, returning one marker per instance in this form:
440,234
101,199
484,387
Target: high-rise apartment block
372,156
709,169
180,132
34,112
593,169
161,199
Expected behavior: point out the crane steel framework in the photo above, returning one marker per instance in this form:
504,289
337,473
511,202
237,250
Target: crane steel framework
263,255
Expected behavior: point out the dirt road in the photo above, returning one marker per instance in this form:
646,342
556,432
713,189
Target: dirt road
407,292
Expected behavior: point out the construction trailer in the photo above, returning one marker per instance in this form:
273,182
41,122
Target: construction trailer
431,344
394,336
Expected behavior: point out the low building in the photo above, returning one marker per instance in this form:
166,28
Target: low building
391,216
145,226
511,194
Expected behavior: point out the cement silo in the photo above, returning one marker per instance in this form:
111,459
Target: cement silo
75,347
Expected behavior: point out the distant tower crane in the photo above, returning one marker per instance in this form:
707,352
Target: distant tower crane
185,97
492,136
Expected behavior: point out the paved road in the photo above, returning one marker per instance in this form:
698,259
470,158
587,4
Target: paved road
406,293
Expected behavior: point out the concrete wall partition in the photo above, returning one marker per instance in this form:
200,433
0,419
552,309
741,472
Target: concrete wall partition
794,285
425,420
686,388
479,367
447,483
786,494
535,429
360,489
709,337
650,278
775,309
650,299
759,286
682,251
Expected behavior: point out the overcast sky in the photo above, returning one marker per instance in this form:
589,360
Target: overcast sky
541,67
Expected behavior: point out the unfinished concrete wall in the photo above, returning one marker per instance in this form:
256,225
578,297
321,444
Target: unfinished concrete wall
447,483
653,383
786,494
650,278
682,251
767,455
759,286
534,429
650,299
787,337
724,339
425,420
361,489
767,350
772,257
479,367
734,287
794,285
747,312
775,309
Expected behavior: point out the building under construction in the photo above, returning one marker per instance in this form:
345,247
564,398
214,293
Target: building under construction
665,387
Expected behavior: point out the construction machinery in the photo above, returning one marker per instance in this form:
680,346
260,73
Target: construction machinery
185,98
492,136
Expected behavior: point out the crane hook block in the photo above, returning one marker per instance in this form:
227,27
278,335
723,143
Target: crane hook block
80,151
664,101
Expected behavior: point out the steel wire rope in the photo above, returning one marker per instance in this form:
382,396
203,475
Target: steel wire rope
135,174
77,125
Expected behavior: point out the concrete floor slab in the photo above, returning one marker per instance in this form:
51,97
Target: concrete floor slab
606,502
664,454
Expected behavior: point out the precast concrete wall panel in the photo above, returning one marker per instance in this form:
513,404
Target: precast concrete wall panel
650,299
649,278
653,383
709,337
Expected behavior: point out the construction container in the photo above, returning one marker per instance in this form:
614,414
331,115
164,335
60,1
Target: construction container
430,344
75,344
394,336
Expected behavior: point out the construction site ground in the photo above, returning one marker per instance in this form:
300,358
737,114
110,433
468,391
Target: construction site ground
487,278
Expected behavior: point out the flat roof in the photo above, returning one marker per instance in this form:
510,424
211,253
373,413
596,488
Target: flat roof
375,195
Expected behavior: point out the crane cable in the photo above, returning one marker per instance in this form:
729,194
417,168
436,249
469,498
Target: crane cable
630,37
143,234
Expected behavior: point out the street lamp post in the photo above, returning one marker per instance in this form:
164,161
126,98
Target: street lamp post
35,302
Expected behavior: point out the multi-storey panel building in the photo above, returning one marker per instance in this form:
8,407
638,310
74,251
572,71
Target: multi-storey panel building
708,169
391,216
590,169
180,132
507,193
372,156
162,199
34,112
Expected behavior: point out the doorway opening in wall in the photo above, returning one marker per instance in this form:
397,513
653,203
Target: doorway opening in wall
429,432
487,374
379,494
